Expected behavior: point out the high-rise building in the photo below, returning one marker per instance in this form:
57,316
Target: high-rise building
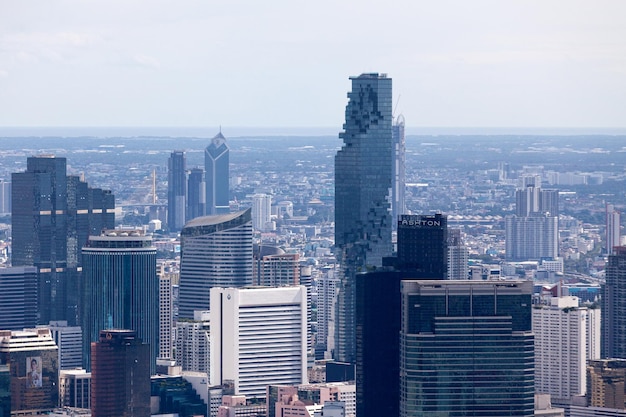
69,340
607,383
216,176
613,232
121,288
363,182
458,256
613,306
75,388
192,343
5,197
561,340
120,375
327,287
398,170
32,358
258,337
216,251
466,348
18,297
422,248
176,190
275,268
166,312
533,232
196,189
261,212
52,217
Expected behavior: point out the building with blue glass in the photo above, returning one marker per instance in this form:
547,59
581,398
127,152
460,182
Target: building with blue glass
466,349
216,251
363,177
195,194
176,190
216,175
121,288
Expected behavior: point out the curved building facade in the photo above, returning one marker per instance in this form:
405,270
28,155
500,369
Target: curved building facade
216,251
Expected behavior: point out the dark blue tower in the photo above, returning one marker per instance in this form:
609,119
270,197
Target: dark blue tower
216,171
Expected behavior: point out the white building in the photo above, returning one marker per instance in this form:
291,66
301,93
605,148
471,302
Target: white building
166,275
192,343
75,388
327,287
261,211
561,341
69,340
258,337
612,228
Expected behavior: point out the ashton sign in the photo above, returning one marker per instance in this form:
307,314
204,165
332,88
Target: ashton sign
420,221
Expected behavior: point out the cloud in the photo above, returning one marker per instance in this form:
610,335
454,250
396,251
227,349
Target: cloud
146,61
4,73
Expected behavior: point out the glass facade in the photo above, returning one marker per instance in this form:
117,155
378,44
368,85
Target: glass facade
195,194
216,169
614,306
466,349
121,289
216,251
363,181
176,190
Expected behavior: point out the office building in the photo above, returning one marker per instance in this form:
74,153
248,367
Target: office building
120,375
613,306
69,340
196,189
363,182
216,251
32,359
18,297
216,176
613,228
75,388
311,394
422,253
121,288
466,348
261,212
176,190
275,268
561,340
258,337
398,174
5,197
193,343
458,256
328,285
607,382
52,217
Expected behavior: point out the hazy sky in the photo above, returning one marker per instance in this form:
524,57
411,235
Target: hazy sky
470,63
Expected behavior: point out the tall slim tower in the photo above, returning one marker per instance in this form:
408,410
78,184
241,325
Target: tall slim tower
613,219
216,251
261,211
398,170
52,217
196,188
363,182
613,323
176,190
466,348
216,171
121,288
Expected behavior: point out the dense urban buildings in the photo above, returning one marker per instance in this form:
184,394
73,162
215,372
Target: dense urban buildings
120,375
363,180
216,251
176,190
466,348
614,305
52,217
32,358
216,176
75,388
18,297
121,288
258,337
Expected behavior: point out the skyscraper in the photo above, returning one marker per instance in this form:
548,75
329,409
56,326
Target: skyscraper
52,217
120,375
258,338
613,223
216,171
196,189
18,297
216,251
69,340
121,288
261,211
613,306
458,256
363,182
423,245
398,170
176,190
466,349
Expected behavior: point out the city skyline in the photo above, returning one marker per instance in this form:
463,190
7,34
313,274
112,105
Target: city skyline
484,63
